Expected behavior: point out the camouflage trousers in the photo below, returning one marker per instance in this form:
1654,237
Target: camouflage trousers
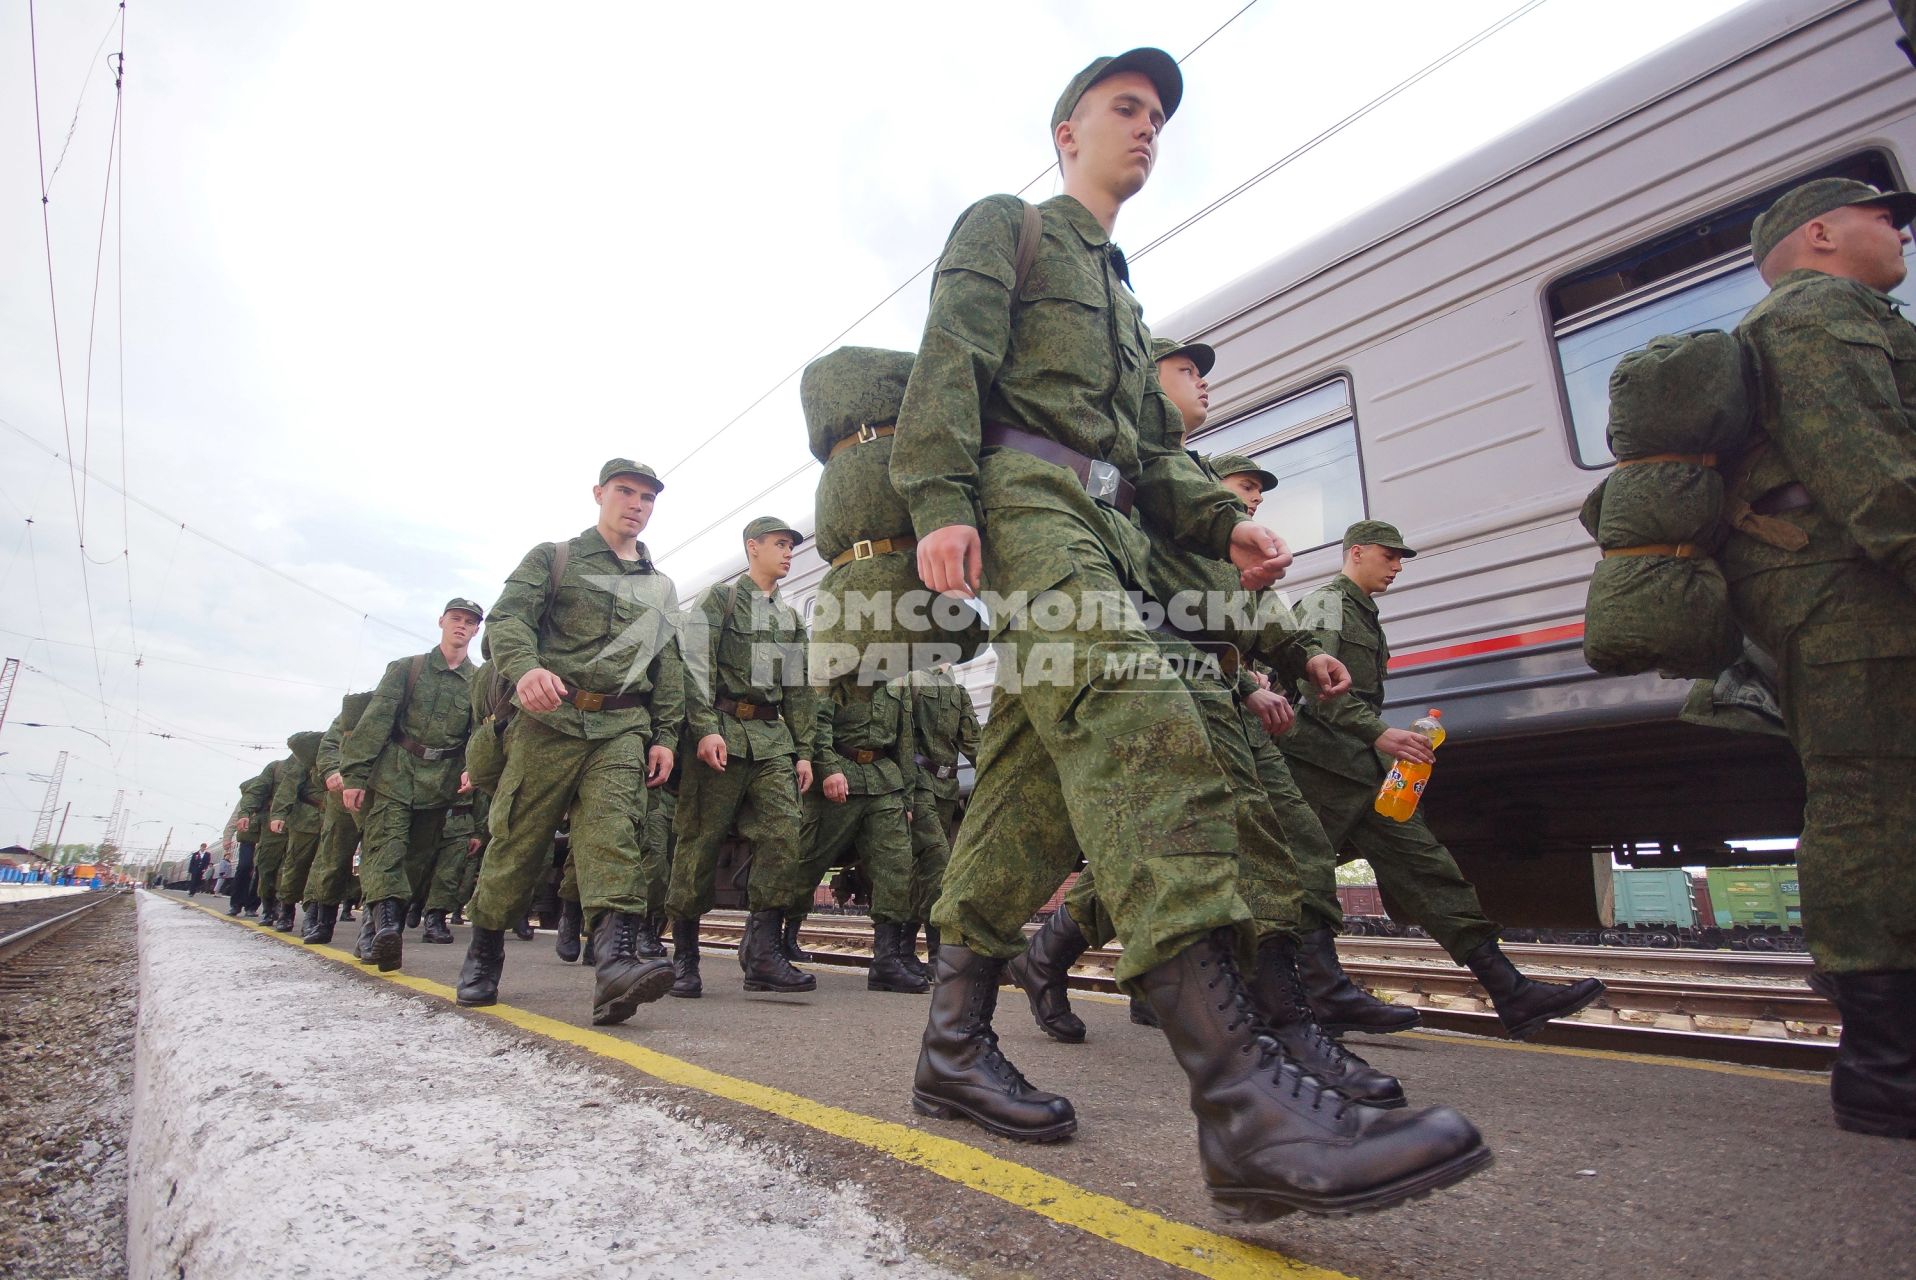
655,843
437,874
399,846
1314,860
302,844
1267,876
469,876
331,878
1844,638
1414,871
268,854
930,848
876,828
602,782
760,798
1080,755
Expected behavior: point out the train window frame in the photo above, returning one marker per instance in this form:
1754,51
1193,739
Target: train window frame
1875,163
1328,420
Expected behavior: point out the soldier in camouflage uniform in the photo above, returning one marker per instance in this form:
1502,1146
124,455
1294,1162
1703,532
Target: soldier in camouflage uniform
751,714
866,763
944,725
1022,414
590,649
408,749
295,817
1339,753
331,882
249,825
1834,603
1238,711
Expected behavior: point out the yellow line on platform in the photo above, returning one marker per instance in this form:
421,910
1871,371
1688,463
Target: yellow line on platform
1180,1244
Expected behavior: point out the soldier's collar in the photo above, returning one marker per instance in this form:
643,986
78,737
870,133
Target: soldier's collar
1355,592
1089,229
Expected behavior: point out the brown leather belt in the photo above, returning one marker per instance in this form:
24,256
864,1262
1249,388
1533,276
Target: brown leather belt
586,700
1100,479
862,755
415,747
1700,459
1788,497
319,803
1686,550
459,810
866,433
942,772
746,710
866,548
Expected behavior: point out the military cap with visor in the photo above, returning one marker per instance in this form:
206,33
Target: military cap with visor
1200,353
465,605
1236,464
1159,67
1813,199
765,526
627,467
1369,533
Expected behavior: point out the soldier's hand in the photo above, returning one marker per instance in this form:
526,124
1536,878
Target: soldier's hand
354,798
540,690
658,766
1332,678
472,846
465,782
335,782
1260,555
804,770
1263,681
837,790
951,560
277,826
1405,745
1274,710
243,824
712,751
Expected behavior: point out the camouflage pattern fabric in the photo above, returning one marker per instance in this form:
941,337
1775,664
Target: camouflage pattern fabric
1838,614
851,387
1684,393
331,877
1648,502
1337,736
758,798
930,850
399,845
1311,855
1668,614
296,792
437,714
944,726
255,804
441,885
859,636
856,500
658,841
297,864
744,644
872,819
268,853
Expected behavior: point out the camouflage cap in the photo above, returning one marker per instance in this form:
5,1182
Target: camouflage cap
627,467
1814,199
460,602
1236,464
1368,533
767,525
1157,65
1201,355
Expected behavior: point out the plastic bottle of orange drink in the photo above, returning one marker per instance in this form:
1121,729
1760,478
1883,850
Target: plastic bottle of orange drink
1404,787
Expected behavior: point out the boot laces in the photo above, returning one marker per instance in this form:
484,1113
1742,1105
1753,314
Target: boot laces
1291,990
1270,1054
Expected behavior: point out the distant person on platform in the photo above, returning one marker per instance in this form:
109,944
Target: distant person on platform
196,869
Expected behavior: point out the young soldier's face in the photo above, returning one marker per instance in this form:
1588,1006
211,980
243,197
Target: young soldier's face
1179,377
457,628
1112,137
771,553
625,504
1870,245
1246,487
1373,568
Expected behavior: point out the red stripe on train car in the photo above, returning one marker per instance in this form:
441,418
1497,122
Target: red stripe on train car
1495,644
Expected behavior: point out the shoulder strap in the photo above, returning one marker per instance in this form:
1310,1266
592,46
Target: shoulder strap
1025,247
561,556
413,669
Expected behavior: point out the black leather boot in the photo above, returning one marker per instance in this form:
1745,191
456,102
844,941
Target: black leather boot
651,945
1272,1138
889,972
458,915
686,984
1041,973
624,979
522,928
764,963
389,932
1340,1004
1525,1004
586,954
1873,1088
346,913
287,920
485,961
1141,1014
788,941
962,1074
908,949
309,921
415,913
267,911
1286,1010
566,939
326,917
368,926
436,930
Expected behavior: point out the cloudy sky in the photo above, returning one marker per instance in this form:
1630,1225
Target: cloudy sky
388,281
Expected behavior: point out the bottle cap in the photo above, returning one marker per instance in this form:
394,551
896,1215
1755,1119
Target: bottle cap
1435,714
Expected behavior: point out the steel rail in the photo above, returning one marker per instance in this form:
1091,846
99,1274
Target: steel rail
23,940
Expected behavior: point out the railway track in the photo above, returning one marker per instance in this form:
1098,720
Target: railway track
1694,1016
25,926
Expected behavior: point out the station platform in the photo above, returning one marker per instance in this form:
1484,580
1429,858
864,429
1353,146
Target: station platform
1607,1164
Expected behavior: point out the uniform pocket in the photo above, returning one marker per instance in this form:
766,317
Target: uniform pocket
1854,689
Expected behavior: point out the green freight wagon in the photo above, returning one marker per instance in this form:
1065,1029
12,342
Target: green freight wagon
1756,900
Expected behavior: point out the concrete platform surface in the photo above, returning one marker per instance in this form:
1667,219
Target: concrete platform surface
1606,1165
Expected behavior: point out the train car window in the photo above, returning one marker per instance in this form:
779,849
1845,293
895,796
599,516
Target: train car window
1697,277
1309,442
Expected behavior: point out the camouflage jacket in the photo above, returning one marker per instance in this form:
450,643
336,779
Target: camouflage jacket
256,798
1067,359
351,707
612,632
944,725
1340,736
299,793
881,726
742,644
1837,382
437,715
